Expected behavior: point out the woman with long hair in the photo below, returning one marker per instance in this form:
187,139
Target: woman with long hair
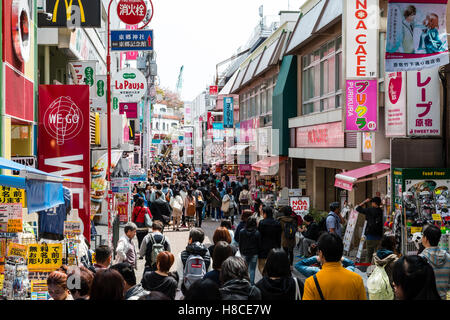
138,217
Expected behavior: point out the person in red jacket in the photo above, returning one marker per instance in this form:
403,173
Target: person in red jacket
138,217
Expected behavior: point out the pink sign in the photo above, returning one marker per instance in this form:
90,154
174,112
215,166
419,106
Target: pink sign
245,167
131,55
361,113
328,135
129,108
248,130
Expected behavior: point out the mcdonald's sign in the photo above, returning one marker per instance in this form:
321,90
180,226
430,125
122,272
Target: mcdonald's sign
71,13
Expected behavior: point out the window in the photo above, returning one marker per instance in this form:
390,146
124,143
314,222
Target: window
322,78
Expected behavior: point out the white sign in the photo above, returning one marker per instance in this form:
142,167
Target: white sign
424,103
350,230
300,205
367,142
295,192
130,84
83,72
395,92
98,100
362,23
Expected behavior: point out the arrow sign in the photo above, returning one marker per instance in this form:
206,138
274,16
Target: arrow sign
132,40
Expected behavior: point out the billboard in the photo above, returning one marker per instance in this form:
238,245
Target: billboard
64,14
361,112
64,141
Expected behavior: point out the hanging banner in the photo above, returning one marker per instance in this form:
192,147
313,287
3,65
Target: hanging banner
44,257
228,110
98,99
424,103
395,92
362,105
362,25
416,36
367,142
131,55
83,72
64,141
209,125
218,132
64,14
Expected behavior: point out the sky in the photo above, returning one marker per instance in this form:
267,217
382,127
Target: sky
201,33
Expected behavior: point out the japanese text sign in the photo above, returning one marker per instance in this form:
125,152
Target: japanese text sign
213,90
395,92
72,228
416,36
361,20
44,257
327,135
228,110
131,55
132,40
300,205
131,11
17,250
12,195
11,218
130,84
424,108
361,113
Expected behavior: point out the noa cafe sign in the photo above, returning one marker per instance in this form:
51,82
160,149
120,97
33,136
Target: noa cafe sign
300,205
129,85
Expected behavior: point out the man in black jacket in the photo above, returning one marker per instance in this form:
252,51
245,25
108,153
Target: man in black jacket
309,235
374,227
160,209
270,230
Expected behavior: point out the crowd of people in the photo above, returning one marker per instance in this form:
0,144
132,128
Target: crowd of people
250,235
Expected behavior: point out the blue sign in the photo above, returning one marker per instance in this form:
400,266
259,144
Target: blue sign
228,110
132,40
218,132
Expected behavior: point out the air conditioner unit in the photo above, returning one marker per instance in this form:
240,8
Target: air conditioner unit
41,6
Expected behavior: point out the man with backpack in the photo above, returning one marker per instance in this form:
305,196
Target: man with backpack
332,223
288,231
153,243
374,227
195,261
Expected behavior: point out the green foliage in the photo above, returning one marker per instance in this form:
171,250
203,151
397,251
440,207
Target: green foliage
317,214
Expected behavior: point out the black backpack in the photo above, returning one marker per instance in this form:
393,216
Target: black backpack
323,224
289,230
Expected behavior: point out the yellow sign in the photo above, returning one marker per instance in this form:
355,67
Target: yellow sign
17,250
15,225
93,258
437,217
12,195
44,257
416,229
2,278
68,10
39,286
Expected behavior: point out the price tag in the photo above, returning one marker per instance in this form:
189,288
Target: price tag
416,229
437,217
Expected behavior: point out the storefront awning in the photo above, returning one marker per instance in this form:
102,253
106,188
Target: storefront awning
264,165
347,179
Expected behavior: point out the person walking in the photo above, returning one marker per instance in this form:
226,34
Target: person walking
270,230
216,202
160,209
277,282
333,281
199,203
126,251
250,246
177,204
85,276
229,205
258,210
221,234
152,245
334,219
57,286
288,230
245,199
103,257
190,207
138,217
438,259
162,279
374,227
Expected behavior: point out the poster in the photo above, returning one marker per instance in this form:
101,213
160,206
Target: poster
300,205
72,228
362,25
64,141
416,37
17,250
367,142
361,113
350,230
11,218
44,257
12,195
424,103
395,92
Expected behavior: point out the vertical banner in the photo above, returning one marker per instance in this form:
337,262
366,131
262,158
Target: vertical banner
395,92
362,21
64,141
131,55
83,72
361,112
209,126
424,103
99,103
416,36
228,110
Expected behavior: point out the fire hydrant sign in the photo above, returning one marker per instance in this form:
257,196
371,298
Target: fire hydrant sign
131,11
130,84
300,205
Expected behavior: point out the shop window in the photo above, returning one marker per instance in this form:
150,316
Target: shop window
21,141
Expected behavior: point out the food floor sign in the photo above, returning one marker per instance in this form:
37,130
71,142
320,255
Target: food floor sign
300,205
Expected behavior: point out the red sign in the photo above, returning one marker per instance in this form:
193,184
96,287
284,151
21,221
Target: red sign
131,11
213,90
328,135
129,108
210,125
64,141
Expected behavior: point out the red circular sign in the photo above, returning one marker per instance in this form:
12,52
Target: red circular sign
131,11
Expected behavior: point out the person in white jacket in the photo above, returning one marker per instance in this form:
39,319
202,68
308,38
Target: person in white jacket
177,204
126,251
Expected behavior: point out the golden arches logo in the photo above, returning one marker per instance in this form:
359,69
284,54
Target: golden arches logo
68,10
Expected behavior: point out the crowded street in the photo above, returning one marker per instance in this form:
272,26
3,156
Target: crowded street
237,158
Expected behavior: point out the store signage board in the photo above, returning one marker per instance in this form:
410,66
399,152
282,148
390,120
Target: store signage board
416,39
300,205
367,142
424,103
131,55
295,192
362,25
350,229
213,90
83,72
132,40
129,84
395,93
64,142
12,195
129,108
329,135
17,250
131,11
361,108
72,228
228,110
44,257
76,13
98,100
120,185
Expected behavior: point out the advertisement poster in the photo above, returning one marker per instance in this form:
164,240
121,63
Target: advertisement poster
64,141
218,132
367,142
416,35
228,110
361,112
362,24
395,92
209,125
424,105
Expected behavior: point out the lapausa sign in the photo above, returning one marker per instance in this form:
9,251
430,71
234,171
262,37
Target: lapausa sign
64,141
130,85
73,13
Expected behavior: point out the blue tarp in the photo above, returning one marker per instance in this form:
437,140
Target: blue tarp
11,165
12,182
43,195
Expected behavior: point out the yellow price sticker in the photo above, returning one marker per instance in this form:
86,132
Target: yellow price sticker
416,229
437,217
